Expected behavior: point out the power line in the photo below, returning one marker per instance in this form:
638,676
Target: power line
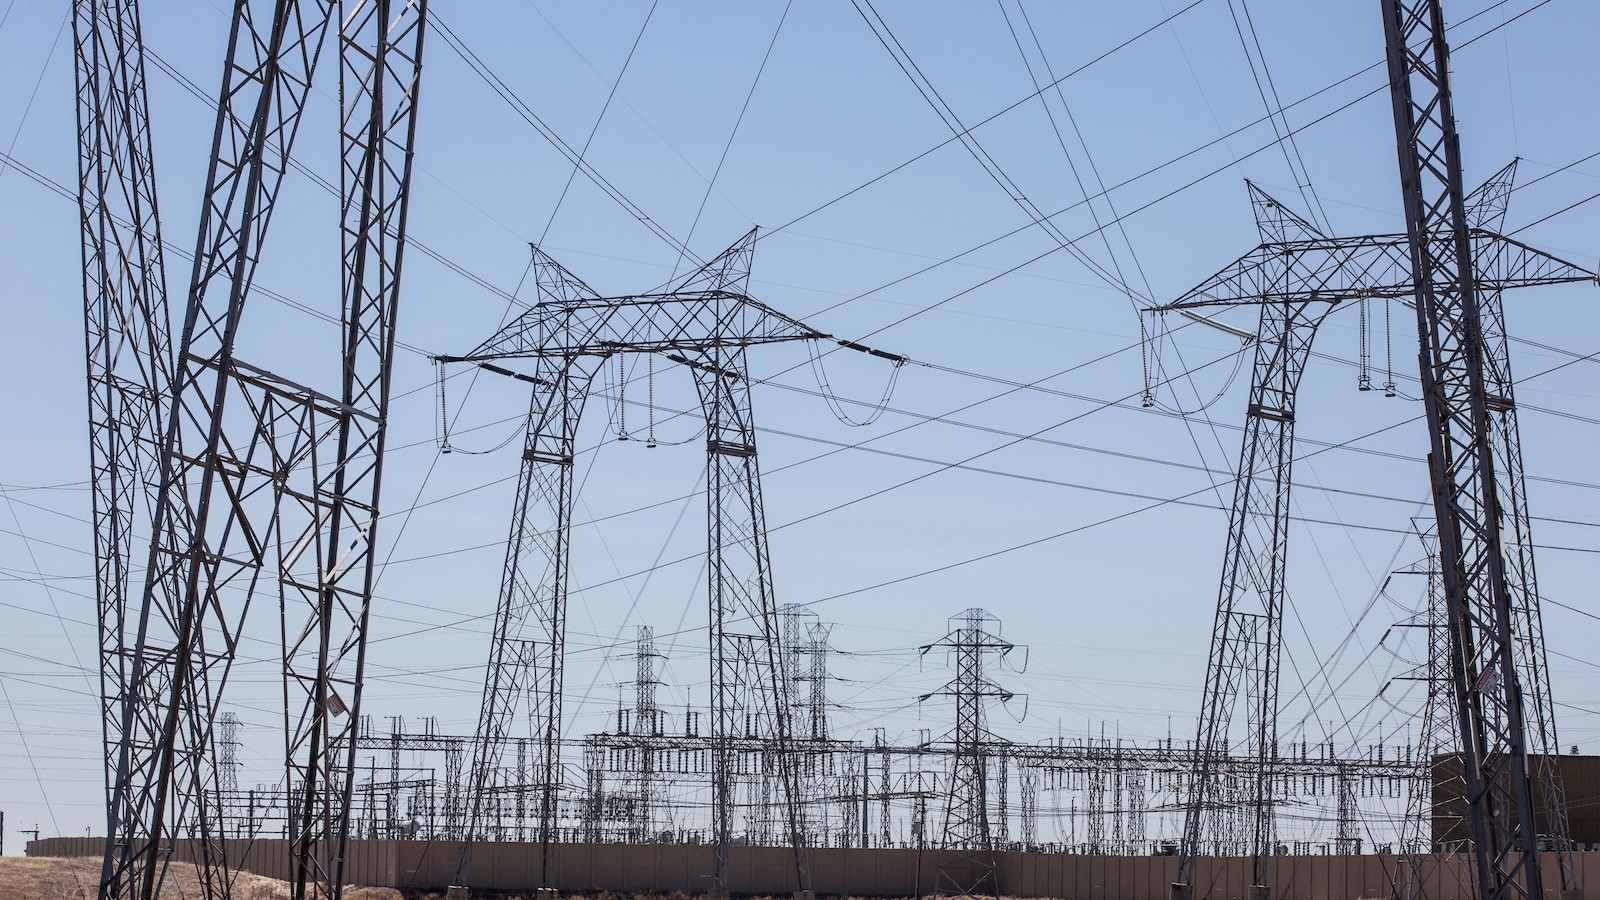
526,113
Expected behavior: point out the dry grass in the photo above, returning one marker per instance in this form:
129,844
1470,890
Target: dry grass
44,878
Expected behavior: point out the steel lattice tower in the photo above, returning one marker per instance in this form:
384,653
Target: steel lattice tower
705,321
974,637
1457,362
1296,277
129,352
227,754
1486,209
646,721
1437,733
283,480
805,654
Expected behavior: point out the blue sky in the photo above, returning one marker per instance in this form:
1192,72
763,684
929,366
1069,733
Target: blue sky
875,227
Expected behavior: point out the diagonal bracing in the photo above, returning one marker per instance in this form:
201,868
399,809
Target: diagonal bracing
1296,276
707,322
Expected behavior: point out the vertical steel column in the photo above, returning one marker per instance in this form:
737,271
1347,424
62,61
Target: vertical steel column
647,723
1246,641
747,675
817,634
128,349
1486,210
190,615
1247,637
885,786
1490,708
533,596
325,632
1437,733
535,577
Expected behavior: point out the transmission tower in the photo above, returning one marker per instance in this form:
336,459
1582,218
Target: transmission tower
282,481
227,757
705,321
646,722
1436,734
805,653
1296,276
1029,797
1457,361
1486,209
129,352
974,637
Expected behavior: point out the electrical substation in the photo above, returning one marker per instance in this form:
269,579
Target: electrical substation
738,756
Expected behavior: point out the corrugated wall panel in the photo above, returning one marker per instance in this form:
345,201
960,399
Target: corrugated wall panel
430,865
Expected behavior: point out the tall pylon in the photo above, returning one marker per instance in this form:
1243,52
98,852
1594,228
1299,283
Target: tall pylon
1296,276
254,480
128,344
967,862
1436,735
705,321
1500,689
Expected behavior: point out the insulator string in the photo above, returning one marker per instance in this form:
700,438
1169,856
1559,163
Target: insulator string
650,396
444,412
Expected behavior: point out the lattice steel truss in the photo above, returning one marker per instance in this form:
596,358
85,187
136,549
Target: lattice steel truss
705,321
1491,674
1296,276
1437,733
974,639
129,352
649,781
255,476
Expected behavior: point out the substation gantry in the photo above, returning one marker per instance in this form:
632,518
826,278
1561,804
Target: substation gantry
1296,276
648,780
251,483
705,321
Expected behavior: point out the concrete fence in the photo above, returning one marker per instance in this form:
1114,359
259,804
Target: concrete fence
628,868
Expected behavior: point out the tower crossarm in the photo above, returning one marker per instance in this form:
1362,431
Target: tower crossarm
646,323
1295,277
1338,269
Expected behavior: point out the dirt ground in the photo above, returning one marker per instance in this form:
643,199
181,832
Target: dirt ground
23,878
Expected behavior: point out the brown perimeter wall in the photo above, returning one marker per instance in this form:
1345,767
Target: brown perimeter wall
628,868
